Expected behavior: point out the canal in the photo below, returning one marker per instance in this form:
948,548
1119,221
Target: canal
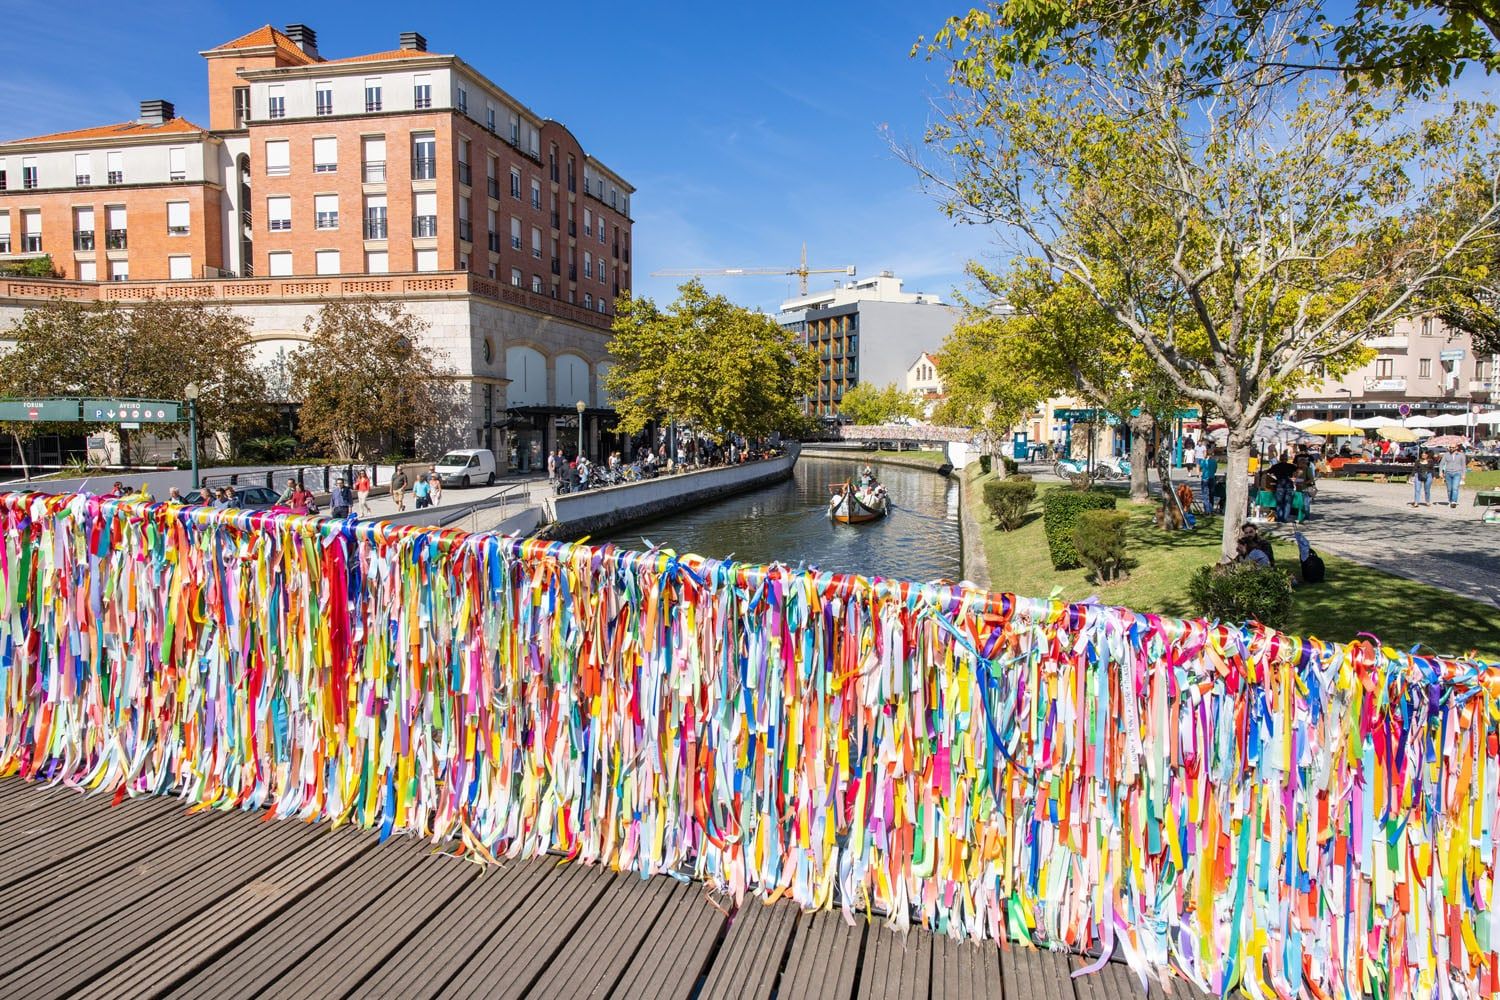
788,523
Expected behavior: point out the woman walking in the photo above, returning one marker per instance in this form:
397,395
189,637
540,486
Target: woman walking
1453,467
362,492
1421,480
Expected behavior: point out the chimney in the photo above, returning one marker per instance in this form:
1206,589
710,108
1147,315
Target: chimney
157,112
305,38
414,40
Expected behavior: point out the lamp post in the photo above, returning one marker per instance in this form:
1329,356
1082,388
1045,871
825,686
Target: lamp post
190,391
1349,403
580,406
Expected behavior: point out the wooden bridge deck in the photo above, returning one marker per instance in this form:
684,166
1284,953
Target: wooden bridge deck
144,900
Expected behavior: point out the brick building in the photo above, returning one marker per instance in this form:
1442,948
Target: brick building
402,162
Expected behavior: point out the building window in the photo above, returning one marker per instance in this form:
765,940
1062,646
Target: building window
427,260
515,234
4,184
374,159
588,264
536,193
375,218
276,101
536,243
278,157
241,107
465,177
588,301
421,91
88,271
119,270
372,95
1426,326
465,230
601,231
83,229
323,95
536,283
588,222
423,156
424,225
31,231
177,163
1382,367
28,172
1424,368
489,118
601,303
115,233
325,155
179,268
327,261
5,232
515,276
82,171
463,101
279,214
281,264
179,218
377,262
492,185
325,211
515,184
515,130
114,167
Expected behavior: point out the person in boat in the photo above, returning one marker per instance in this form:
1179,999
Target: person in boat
867,477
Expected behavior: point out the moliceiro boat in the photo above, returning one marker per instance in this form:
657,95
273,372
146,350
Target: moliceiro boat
857,505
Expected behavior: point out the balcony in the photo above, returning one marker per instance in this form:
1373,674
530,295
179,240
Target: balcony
1483,385
1389,342
326,220
556,266
31,244
572,228
572,272
495,242
556,220
81,180
465,177
536,252
375,172
493,187
116,177
424,168
376,228
465,231
424,227
83,239
615,251
1385,383
114,239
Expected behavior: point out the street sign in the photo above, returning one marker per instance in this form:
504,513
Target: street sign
26,410
122,411
1456,354
1404,409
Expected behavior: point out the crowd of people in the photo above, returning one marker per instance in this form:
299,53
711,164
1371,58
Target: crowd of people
570,475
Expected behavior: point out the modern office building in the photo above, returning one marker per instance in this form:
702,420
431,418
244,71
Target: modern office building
1420,364
866,331
402,172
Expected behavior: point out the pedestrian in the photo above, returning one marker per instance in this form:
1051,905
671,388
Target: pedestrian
1284,486
362,492
1189,456
1453,467
341,499
1421,479
1208,467
552,468
284,498
174,495
1200,451
301,499
398,489
224,499
118,490
421,492
436,482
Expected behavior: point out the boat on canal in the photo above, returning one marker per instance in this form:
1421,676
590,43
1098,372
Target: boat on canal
859,505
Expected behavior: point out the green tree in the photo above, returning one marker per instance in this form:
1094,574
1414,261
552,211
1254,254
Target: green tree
150,350
1246,243
866,403
708,364
366,380
1415,45
984,386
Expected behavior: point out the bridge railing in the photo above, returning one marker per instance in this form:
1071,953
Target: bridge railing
1238,805
925,433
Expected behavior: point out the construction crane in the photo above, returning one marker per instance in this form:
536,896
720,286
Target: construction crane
737,272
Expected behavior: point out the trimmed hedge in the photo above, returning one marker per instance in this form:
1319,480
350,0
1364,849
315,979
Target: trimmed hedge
1011,467
1009,500
1241,592
984,464
1099,538
1060,510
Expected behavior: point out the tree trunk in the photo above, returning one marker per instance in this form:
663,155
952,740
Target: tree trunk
997,459
1140,457
124,446
1237,489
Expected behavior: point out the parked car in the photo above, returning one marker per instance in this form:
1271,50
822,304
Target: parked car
467,467
245,498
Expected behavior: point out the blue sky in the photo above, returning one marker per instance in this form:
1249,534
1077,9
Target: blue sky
747,128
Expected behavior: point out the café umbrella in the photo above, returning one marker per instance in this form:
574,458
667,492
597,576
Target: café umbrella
1396,433
1333,428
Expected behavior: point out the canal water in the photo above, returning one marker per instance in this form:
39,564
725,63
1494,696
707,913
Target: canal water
788,523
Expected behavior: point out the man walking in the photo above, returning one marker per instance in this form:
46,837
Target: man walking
422,492
341,499
398,489
1453,467
1208,467
1284,486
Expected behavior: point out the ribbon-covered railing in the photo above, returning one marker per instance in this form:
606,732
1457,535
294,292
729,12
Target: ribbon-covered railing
1253,810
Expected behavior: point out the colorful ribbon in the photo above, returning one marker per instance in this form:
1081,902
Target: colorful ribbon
1226,803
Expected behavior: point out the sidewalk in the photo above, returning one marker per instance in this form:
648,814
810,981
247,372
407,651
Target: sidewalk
537,489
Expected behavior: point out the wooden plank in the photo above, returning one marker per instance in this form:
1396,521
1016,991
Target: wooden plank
965,970
74,962
96,831
588,962
825,957
1034,973
432,954
897,966
548,917
44,804
318,913
344,961
674,958
760,935
243,911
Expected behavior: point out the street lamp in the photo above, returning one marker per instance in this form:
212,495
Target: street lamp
1349,401
190,392
580,406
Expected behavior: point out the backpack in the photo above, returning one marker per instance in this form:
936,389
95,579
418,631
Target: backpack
1312,568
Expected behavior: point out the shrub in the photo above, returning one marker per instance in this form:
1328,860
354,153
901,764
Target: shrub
1009,464
984,464
1009,500
1060,510
1099,538
31,267
1242,592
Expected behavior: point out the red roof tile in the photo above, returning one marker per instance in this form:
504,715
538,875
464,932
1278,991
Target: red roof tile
382,56
124,130
266,35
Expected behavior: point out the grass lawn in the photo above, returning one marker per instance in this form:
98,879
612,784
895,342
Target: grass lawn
1352,599
1484,479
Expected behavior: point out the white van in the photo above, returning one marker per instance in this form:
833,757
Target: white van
467,467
